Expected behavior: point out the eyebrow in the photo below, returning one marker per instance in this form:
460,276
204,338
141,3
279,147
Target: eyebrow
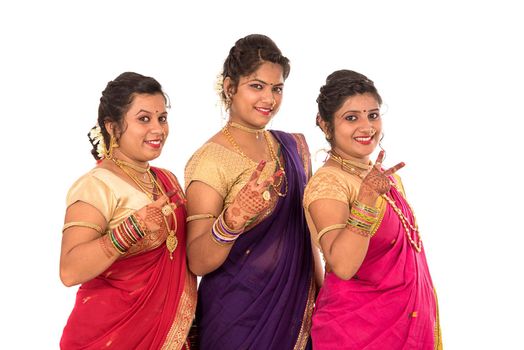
145,110
263,82
361,111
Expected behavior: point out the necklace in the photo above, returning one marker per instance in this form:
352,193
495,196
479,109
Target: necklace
167,209
225,131
351,167
247,129
415,240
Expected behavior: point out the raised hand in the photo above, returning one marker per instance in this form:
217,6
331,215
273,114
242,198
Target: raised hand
251,200
376,181
152,214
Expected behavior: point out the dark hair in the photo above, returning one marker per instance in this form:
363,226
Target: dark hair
340,85
248,54
117,98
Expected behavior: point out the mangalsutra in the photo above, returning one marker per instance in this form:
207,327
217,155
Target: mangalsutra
167,209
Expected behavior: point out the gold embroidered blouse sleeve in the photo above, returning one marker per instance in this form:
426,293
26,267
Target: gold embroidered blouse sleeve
109,194
223,169
328,183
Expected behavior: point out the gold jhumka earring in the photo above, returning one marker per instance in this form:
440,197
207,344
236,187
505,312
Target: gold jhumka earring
112,145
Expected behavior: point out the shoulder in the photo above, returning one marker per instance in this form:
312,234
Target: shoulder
330,183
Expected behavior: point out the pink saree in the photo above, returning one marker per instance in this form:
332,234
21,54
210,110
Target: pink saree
389,304
145,300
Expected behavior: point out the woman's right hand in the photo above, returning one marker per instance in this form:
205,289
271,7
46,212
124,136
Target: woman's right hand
376,182
152,215
251,200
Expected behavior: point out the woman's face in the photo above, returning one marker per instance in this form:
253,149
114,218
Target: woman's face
145,129
258,96
357,127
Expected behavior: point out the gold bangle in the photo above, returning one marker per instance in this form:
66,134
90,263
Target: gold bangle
83,224
200,217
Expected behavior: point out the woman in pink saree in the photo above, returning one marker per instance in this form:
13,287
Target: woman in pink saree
377,292
124,235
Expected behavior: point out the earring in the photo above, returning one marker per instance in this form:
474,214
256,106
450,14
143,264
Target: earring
112,145
228,101
328,136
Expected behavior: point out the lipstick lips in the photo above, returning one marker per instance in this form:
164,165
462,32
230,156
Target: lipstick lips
365,140
264,111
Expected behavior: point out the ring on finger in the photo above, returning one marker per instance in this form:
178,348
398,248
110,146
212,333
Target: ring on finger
266,195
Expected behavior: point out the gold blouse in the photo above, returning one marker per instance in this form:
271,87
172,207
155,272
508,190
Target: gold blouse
334,183
112,196
225,170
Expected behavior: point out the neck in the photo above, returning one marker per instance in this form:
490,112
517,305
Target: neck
246,128
140,167
354,164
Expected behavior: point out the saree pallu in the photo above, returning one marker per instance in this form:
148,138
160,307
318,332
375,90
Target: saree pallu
389,304
144,300
262,296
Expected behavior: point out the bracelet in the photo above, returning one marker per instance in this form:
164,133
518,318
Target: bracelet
221,233
366,208
128,233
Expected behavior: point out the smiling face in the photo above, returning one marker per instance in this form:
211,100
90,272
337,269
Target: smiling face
145,129
357,127
258,96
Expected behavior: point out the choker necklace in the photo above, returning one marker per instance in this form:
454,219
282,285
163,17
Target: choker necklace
247,129
356,168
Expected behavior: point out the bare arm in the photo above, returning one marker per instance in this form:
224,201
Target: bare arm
85,254
345,249
205,254
82,256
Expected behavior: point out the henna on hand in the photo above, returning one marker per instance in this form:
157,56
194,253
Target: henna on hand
376,181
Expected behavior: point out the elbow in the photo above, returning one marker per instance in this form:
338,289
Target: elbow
344,272
68,279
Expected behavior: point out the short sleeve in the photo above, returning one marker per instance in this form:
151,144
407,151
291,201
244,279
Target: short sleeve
326,185
93,191
203,166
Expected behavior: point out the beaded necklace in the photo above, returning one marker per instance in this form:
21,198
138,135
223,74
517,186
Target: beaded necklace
167,209
351,167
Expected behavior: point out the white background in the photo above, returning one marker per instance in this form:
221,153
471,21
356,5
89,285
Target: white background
450,72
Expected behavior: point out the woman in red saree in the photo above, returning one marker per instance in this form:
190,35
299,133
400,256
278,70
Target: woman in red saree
124,234
377,291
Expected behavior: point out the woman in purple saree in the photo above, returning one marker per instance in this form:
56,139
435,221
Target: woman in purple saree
247,234
378,292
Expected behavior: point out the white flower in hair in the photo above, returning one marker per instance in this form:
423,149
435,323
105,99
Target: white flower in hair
97,139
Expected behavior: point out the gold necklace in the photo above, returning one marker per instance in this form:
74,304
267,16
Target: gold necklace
167,209
416,244
351,167
225,131
247,129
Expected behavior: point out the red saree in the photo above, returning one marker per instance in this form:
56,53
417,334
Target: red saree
145,300
389,304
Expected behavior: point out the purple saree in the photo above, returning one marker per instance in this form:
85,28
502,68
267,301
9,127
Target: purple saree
263,294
